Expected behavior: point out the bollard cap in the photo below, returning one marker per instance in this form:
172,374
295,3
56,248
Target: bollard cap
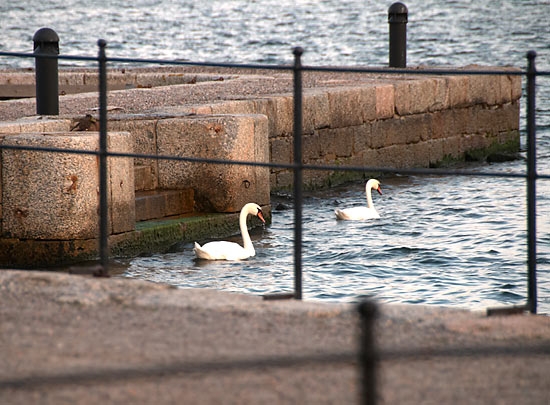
46,36
397,13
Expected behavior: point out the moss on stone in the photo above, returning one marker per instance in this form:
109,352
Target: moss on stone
495,152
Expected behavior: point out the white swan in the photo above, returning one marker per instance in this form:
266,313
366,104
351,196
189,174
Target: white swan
224,250
360,213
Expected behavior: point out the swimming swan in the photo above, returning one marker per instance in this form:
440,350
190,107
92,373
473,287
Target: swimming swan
360,213
224,250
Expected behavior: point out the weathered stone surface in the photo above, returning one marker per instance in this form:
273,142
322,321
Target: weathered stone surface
386,133
515,83
509,116
368,103
417,128
55,195
494,89
50,195
440,95
284,179
234,107
266,106
336,141
316,110
420,95
283,115
312,148
457,91
121,183
143,178
144,140
33,253
160,204
282,150
484,89
441,124
345,107
38,123
453,146
385,101
413,96
463,120
418,155
218,187
435,148
362,139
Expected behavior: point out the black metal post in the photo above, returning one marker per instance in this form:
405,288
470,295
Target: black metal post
298,172
367,352
531,186
397,18
103,209
46,48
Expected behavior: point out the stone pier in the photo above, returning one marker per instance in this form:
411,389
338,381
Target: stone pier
48,202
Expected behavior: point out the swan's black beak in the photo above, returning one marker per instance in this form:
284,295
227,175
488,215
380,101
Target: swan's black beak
261,216
379,191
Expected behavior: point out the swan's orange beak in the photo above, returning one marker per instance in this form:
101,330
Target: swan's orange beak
260,215
379,191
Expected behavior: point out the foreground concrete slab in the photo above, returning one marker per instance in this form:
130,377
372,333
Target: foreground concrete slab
75,339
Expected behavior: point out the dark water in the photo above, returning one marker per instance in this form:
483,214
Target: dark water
451,241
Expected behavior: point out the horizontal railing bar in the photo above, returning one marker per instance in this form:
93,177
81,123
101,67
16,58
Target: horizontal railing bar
145,156
419,71
50,56
411,171
151,61
423,171
109,375
204,64
341,69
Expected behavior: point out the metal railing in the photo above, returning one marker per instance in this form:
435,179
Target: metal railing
369,356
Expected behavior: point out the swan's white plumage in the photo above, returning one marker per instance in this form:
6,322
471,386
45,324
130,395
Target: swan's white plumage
362,213
224,250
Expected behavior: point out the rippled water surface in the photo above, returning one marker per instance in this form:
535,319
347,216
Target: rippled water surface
439,241
452,241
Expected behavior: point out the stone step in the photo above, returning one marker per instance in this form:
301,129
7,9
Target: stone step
144,178
156,204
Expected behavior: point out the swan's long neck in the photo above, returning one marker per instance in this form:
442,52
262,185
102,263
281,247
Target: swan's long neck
247,242
369,197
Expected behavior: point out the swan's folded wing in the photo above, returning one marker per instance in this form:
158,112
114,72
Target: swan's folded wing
220,250
356,213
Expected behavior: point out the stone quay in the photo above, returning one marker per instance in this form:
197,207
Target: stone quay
49,202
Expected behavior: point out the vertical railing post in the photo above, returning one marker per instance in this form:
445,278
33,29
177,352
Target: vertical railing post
397,18
531,186
298,172
46,43
103,209
367,353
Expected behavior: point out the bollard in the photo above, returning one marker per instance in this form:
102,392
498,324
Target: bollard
368,357
46,43
397,18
